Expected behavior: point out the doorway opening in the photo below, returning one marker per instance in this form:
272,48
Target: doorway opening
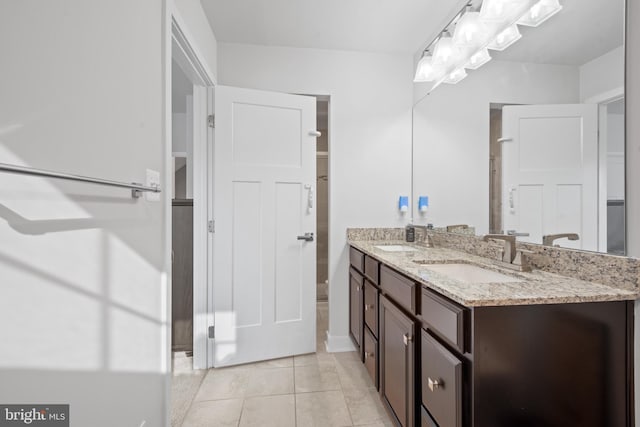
181,213
322,198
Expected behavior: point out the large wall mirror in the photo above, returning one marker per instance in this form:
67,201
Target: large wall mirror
532,143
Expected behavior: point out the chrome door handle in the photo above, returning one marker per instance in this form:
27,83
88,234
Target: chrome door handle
308,237
515,233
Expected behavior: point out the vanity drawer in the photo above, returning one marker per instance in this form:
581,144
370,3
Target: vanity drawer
371,269
371,355
371,307
402,289
356,276
441,383
356,258
444,318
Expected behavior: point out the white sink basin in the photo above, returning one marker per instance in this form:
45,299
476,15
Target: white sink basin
395,248
469,273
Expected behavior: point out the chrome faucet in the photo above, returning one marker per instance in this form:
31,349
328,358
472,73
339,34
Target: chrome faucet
512,258
425,228
509,252
549,238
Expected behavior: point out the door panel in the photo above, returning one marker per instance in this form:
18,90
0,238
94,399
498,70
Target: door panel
550,172
263,276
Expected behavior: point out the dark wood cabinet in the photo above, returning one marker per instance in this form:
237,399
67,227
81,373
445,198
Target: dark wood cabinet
440,364
371,356
356,304
441,382
371,307
397,362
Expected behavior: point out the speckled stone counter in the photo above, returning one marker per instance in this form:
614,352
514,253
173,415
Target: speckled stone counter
537,287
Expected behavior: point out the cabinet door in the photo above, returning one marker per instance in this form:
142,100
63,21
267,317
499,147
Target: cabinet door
397,362
356,303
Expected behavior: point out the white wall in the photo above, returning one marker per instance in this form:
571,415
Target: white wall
370,136
83,302
602,75
451,135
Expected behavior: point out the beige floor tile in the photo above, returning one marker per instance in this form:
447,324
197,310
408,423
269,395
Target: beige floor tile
322,409
353,375
365,406
316,377
318,358
215,413
184,387
269,411
266,382
227,383
285,362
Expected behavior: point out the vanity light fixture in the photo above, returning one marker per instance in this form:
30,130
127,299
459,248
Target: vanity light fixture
456,76
469,29
426,71
540,12
480,25
478,60
445,51
506,38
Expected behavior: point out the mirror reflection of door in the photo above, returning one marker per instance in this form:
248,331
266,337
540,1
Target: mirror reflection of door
559,169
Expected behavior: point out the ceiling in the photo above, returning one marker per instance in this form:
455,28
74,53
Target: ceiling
583,30
360,25
406,26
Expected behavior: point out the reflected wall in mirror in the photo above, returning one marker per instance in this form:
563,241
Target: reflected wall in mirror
532,143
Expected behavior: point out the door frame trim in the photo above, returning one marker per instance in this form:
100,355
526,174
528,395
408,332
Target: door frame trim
179,45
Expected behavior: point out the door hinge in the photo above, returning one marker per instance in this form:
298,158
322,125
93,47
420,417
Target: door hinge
212,226
212,332
211,121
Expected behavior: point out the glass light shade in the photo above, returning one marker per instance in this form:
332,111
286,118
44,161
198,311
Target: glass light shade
540,12
456,76
426,71
506,38
469,30
478,60
445,51
501,10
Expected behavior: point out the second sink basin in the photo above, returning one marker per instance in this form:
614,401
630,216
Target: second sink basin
470,273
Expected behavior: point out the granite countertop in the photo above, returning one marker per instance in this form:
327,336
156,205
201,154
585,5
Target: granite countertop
536,287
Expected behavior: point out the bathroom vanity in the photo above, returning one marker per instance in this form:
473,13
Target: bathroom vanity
453,339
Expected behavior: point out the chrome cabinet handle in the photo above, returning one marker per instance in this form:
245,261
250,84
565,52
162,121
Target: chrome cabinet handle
407,338
434,384
308,237
368,307
368,355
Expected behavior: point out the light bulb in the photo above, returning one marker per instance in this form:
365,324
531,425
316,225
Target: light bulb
506,38
469,30
540,12
425,70
503,10
456,76
478,60
445,51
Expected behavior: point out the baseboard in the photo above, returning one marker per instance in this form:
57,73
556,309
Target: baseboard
338,343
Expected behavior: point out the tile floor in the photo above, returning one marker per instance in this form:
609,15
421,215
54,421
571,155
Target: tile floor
320,389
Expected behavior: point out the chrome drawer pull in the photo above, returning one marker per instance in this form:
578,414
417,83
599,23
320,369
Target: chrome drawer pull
368,307
434,384
406,338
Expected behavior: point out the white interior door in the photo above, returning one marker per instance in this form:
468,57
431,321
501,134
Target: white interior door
264,186
550,172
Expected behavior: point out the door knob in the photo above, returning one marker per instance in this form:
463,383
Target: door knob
308,237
